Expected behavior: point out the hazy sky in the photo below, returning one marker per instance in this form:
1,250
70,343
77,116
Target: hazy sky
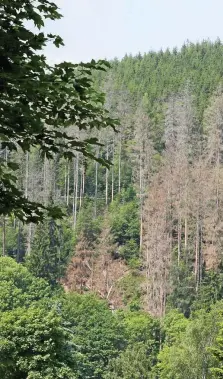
111,28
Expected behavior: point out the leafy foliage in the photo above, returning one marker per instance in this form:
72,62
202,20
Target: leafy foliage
18,286
188,349
96,334
38,102
33,342
143,344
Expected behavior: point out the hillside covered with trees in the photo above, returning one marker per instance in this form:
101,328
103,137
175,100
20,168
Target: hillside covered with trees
111,233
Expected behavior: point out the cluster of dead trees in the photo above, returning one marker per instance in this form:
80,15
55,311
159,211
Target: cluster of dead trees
182,213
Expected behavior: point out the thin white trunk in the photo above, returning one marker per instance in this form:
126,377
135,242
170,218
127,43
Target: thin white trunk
83,181
185,234
74,187
186,218
96,185
197,255
54,176
81,188
217,184
112,172
68,183
18,243
29,238
4,219
141,198
106,181
96,189
46,180
3,236
27,174
179,231
65,181
119,165
76,169
141,227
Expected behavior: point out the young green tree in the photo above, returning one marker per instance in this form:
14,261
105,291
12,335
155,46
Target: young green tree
33,341
188,344
137,360
96,333
33,344
125,225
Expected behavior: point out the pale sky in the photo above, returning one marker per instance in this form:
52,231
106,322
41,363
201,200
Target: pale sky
111,28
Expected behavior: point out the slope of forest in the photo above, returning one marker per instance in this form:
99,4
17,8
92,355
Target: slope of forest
145,236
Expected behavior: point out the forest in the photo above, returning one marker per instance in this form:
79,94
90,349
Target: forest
111,210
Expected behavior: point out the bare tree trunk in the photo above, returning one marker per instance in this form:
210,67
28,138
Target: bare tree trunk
164,294
217,184
3,236
119,164
65,181
170,228
197,254
112,173
179,232
141,198
54,176
44,179
200,263
26,195
83,182
29,238
81,189
141,227
74,188
68,183
185,234
27,174
18,242
47,181
96,186
186,219
75,195
96,189
147,271
106,180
